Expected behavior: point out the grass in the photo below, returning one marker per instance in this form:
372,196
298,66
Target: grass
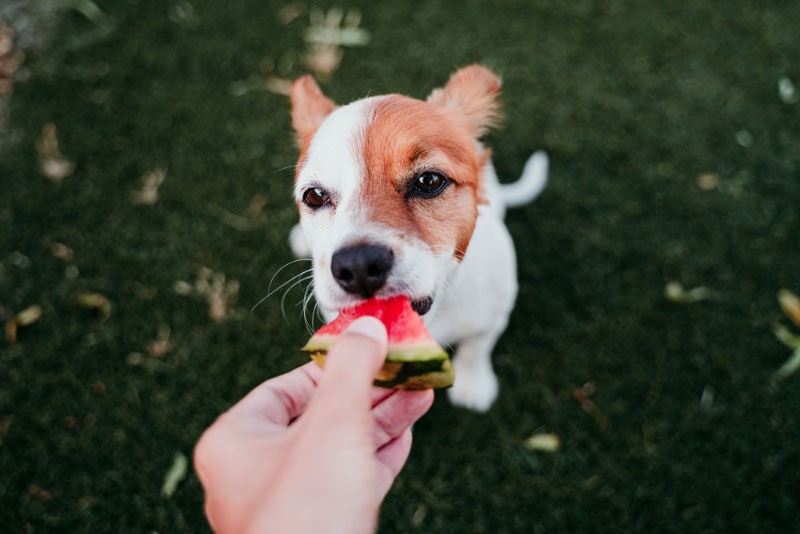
673,158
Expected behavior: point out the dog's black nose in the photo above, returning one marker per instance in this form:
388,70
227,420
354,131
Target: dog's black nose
362,269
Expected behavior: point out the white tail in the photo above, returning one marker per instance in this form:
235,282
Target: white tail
530,184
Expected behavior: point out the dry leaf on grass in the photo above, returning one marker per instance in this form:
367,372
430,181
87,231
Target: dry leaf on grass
278,85
786,370
328,32
267,80
151,182
787,91
29,315
326,36
232,220
26,317
744,138
253,218
675,292
290,12
11,331
255,210
11,60
161,345
336,27
94,301
92,12
546,442
38,492
270,82
222,298
786,336
219,293
790,304
708,181
51,162
791,365
184,14
175,474
62,252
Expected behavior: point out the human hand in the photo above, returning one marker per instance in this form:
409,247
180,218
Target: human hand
311,451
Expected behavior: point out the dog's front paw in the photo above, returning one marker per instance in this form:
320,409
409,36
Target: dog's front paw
475,389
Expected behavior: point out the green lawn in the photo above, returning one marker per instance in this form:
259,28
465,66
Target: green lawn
673,130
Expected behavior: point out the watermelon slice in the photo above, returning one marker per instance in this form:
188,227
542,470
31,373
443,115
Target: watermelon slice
414,359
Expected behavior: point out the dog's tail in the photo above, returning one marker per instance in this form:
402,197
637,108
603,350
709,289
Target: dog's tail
530,184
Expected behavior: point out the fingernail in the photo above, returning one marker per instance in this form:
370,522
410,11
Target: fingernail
368,326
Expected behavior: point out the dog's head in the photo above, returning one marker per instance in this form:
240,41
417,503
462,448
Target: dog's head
388,187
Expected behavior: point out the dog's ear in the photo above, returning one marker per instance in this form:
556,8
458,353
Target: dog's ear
309,108
471,96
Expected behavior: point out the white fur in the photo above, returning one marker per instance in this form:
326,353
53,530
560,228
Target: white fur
473,298
530,184
476,309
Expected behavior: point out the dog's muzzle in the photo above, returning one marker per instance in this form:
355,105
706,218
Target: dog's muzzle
362,269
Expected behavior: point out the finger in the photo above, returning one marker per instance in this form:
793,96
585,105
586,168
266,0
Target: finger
351,365
391,458
281,399
396,413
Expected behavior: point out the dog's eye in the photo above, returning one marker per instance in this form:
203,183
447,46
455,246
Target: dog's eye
316,197
429,184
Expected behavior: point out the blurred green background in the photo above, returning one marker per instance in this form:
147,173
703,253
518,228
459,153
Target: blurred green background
145,174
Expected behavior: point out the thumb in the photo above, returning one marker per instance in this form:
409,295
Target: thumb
351,365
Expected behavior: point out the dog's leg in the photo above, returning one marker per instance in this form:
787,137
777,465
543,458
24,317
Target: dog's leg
476,384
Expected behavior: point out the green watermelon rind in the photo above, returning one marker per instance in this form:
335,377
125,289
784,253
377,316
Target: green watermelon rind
407,352
410,375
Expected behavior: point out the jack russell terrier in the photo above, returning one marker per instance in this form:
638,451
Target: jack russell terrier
398,196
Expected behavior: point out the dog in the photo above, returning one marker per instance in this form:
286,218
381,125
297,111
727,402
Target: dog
398,196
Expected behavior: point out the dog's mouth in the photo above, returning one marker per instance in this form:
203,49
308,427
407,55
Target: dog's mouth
423,305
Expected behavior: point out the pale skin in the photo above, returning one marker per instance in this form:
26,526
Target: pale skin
311,450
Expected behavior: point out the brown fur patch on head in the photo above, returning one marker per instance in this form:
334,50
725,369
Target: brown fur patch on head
404,138
309,109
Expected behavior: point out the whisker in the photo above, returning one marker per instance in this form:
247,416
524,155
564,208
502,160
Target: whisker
447,288
291,280
438,249
309,294
309,276
316,312
294,166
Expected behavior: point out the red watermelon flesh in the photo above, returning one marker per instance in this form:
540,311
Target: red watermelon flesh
414,359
